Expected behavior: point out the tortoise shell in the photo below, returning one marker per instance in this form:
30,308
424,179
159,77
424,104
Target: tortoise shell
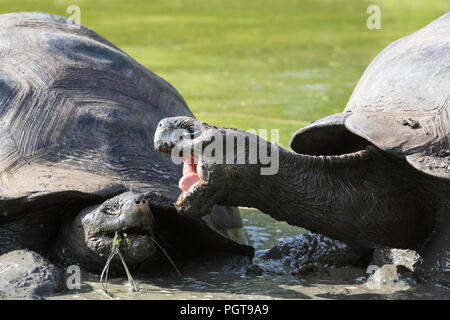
401,104
77,120
77,113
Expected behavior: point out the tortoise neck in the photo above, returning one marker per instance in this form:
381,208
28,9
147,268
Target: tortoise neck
359,198
313,192
302,191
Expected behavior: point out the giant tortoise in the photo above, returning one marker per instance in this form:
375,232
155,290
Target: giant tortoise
77,161
376,175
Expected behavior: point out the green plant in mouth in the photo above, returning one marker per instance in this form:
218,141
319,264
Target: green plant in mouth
115,250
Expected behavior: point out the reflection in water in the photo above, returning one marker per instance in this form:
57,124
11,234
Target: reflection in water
225,278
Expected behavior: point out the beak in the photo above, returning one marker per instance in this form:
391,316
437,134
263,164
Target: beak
163,146
163,140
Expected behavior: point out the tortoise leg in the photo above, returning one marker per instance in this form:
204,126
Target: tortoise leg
435,263
25,274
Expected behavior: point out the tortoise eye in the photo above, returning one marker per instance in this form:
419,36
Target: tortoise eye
112,208
111,211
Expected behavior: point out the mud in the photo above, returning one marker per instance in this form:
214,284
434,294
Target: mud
234,279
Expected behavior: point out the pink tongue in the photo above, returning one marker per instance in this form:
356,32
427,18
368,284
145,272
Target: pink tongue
189,177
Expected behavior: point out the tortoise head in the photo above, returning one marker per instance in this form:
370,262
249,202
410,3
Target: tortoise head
215,161
127,217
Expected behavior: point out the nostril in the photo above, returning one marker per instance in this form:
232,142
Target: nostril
143,201
137,202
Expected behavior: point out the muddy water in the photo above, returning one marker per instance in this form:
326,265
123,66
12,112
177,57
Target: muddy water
224,279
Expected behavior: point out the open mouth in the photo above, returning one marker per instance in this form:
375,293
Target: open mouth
142,233
192,177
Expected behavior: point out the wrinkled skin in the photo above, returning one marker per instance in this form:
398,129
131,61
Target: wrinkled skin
364,197
148,224
217,180
32,267
88,238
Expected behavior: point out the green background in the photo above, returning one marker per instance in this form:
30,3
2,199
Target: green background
269,64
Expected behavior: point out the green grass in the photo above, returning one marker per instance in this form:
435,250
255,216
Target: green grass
271,64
